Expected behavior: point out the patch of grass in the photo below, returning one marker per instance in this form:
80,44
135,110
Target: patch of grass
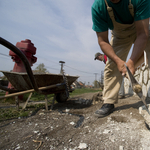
10,100
2,93
11,113
36,106
37,97
82,91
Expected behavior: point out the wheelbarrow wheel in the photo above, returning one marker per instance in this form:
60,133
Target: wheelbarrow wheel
61,97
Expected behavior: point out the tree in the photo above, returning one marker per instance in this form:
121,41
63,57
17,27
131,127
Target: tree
96,84
41,69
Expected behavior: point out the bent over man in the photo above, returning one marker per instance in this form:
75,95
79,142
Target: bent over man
129,22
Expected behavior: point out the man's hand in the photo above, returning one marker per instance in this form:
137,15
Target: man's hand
131,67
121,67
108,50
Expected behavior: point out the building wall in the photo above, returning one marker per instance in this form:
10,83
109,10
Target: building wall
142,75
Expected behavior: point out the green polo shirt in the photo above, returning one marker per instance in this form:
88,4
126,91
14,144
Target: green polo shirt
102,21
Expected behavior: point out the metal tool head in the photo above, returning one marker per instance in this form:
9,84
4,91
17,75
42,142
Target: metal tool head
134,83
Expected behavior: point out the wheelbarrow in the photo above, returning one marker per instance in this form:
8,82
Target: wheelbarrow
57,84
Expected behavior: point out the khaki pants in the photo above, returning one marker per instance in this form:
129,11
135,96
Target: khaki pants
112,77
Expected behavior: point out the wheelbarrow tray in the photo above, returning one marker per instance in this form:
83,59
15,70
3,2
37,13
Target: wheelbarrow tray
21,81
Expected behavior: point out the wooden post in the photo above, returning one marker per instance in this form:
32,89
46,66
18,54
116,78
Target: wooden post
46,103
27,101
17,102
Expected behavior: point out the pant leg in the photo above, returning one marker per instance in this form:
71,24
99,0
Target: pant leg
112,76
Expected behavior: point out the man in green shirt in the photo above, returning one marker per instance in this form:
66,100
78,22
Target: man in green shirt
129,22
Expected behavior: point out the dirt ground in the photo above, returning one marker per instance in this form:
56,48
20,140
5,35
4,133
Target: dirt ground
73,126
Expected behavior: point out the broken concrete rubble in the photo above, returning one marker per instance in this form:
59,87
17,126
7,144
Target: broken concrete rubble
146,115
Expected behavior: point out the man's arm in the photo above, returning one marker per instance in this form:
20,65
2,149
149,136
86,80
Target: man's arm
108,50
142,32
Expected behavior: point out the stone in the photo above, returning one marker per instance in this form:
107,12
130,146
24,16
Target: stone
148,88
137,88
83,146
36,131
67,110
121,148
143,67
137,77
144,89
41,114
72,123
141,78
18,147
97,98
145,78
137,72
145,114
106,131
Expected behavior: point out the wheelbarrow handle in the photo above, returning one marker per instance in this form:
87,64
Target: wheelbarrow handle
32,90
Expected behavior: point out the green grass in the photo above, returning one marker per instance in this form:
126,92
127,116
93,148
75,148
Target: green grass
38,97
82,91
10,113
2,93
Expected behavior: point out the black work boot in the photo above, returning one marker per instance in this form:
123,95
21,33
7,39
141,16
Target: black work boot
105,110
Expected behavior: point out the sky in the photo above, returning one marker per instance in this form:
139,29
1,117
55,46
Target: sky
61,30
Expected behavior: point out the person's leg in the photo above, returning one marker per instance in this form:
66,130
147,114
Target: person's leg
112,77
